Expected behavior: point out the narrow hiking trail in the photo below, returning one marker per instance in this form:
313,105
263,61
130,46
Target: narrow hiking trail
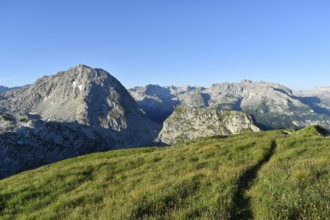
241,208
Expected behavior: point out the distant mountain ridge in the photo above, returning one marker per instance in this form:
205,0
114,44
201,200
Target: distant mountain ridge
271,105
318,98
4,89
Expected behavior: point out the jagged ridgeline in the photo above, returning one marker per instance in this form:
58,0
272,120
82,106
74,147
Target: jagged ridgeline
78,111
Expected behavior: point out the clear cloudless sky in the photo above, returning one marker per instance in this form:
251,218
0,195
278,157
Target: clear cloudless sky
168,42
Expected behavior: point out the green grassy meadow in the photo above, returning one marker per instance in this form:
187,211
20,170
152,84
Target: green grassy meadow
266,175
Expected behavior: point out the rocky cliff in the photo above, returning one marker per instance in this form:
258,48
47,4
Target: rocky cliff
74,112
187,123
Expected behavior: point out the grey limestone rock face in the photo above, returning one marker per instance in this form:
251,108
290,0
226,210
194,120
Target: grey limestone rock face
78,111
187,123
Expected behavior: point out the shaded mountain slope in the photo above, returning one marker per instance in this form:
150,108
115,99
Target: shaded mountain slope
4,89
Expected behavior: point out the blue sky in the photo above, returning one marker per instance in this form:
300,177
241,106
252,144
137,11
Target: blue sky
168,42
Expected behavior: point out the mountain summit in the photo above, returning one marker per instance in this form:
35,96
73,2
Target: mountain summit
80,95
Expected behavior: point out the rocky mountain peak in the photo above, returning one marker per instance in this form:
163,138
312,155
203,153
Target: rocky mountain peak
82,67
246,81
81,94
70,113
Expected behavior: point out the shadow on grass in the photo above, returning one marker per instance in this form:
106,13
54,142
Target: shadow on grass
241,208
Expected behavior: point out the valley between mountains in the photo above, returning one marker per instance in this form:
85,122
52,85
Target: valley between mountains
247,150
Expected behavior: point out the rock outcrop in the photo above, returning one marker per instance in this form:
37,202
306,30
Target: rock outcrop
187,123
78,111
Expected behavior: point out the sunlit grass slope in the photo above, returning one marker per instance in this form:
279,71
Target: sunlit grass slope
295,183
202,179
